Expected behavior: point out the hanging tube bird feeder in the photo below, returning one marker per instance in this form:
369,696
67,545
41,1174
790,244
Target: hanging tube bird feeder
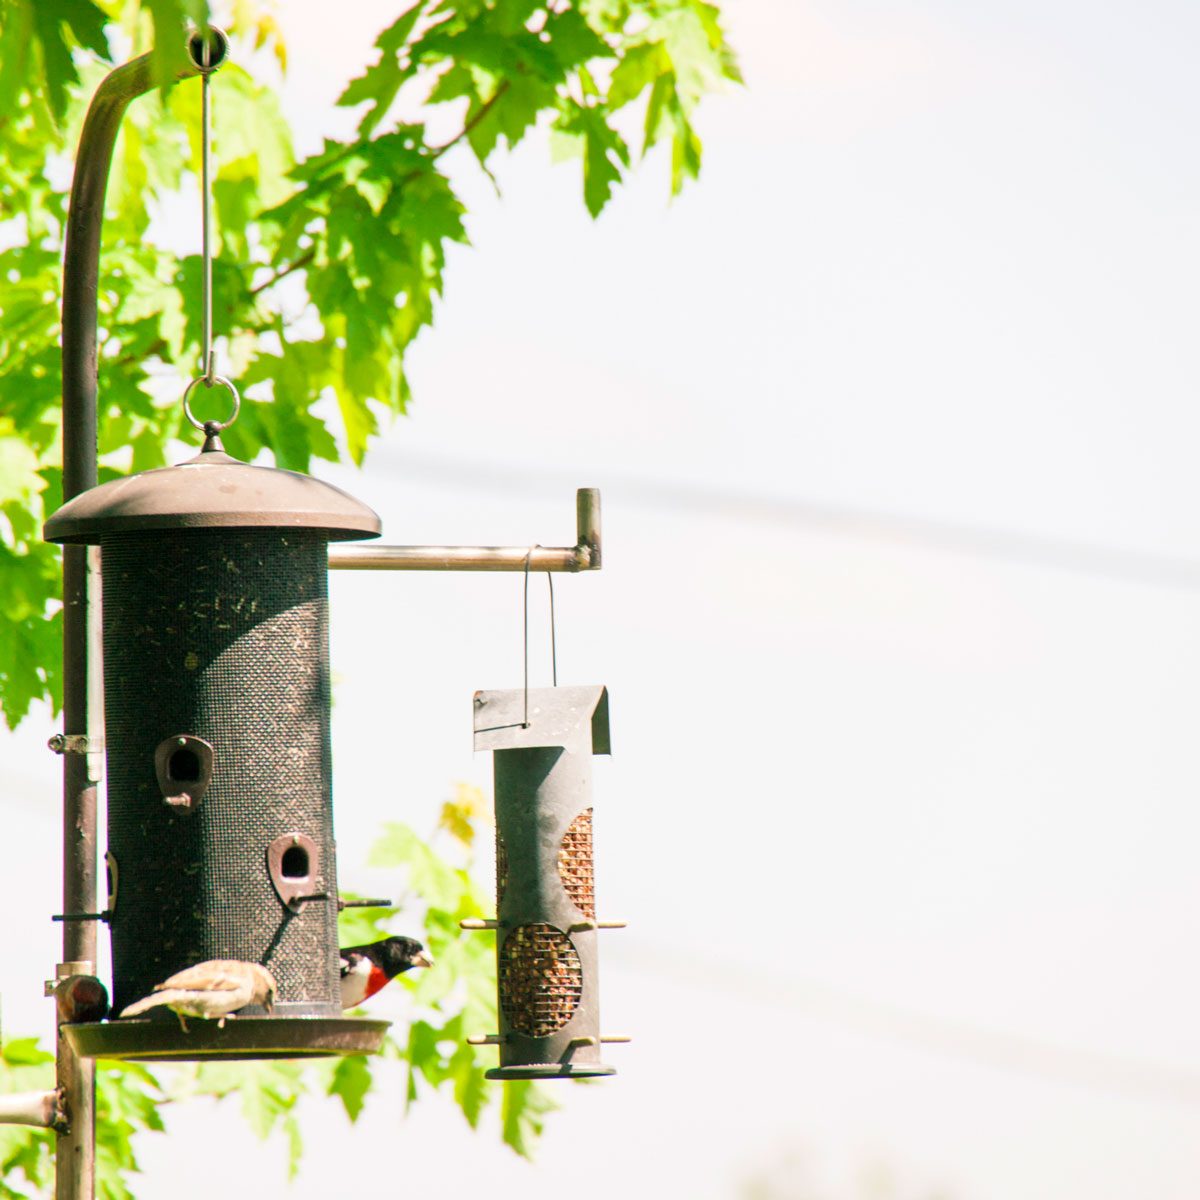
546,927
216,693
216,696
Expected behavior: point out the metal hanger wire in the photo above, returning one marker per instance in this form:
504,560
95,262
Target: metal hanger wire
553,634
208,359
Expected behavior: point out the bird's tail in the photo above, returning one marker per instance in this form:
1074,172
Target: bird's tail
159,998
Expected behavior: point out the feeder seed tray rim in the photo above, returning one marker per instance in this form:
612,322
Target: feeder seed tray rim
242,1038
549,1071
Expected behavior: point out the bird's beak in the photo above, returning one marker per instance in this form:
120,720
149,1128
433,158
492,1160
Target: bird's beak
269,1005
422,959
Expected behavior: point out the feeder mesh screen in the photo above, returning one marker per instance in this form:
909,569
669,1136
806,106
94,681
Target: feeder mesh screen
221,634
575,864
541,979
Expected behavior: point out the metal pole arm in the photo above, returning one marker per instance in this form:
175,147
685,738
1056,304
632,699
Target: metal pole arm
42,1109
585,555
81,258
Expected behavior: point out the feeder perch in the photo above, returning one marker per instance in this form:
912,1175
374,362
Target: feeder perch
546,955
216,695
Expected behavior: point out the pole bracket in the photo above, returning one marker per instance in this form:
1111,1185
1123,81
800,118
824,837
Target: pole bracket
44,1110
75,743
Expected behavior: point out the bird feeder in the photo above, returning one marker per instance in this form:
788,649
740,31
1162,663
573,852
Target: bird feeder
217,708
546,954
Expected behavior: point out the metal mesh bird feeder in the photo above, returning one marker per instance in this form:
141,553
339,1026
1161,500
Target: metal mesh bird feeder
546,954
216,690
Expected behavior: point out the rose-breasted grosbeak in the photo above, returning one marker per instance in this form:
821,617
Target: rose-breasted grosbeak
366,969
213,990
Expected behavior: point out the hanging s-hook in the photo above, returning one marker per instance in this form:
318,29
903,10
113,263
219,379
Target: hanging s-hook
553,636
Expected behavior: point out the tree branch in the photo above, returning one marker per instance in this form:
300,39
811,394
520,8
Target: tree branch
283,272
435,152
484,109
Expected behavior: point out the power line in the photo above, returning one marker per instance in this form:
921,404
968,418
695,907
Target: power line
941,1035
1003,545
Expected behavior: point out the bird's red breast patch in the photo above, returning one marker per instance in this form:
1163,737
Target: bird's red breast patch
376,980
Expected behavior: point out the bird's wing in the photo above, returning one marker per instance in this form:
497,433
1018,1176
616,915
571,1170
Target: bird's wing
351,957
220,975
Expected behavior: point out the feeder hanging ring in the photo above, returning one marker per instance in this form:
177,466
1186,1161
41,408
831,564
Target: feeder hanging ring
211,426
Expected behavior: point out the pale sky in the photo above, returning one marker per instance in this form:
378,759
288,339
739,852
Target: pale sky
902,814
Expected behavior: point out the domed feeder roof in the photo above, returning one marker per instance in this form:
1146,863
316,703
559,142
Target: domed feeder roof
211,491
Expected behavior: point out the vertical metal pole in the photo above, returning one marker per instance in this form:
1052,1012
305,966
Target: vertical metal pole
75,1162
587,524
74,1172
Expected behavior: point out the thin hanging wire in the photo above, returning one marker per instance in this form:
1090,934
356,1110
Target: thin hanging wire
208,358
553,634
209,40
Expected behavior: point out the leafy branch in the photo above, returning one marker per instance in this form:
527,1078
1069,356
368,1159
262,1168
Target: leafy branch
363,227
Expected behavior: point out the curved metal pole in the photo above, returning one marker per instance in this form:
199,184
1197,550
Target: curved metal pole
75,1160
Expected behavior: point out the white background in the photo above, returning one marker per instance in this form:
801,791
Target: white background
894,418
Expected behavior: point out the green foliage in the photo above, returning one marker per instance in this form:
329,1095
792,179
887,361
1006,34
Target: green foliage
40,41
128,1100
356,235
450,1001
25,1154
457,996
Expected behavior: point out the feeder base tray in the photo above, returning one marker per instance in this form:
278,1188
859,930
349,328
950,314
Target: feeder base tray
242,1038
551,1071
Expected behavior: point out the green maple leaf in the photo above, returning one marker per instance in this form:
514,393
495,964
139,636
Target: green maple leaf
351,1082
380,83
637,71
171,20
522,1115
573,41
604,152
85,22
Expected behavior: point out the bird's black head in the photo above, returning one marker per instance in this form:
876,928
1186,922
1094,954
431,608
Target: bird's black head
395,955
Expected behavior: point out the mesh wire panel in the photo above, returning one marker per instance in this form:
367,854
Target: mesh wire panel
221,634
575,864
541,979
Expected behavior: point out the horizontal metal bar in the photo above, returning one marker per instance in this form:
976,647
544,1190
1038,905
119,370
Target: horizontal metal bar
584,556
486,1039
458,558
43,1109
477,923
